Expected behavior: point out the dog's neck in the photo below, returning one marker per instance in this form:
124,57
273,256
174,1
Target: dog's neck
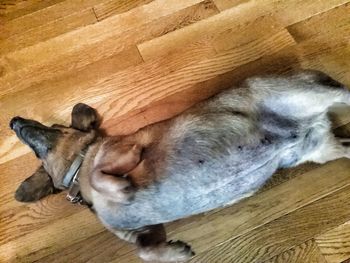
86,169
71,178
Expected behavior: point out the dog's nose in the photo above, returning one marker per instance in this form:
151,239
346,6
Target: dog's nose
14,121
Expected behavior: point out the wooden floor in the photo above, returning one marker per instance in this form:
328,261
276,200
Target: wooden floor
140,61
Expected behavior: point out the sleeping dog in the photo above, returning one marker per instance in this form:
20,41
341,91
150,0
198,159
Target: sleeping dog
212,155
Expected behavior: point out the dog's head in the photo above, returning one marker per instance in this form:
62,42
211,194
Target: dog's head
56,146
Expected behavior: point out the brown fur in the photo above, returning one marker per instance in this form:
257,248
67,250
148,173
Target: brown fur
102,164
123,163
60,158
35,187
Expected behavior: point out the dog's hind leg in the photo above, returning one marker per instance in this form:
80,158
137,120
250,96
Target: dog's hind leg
330,149
304,94
152,245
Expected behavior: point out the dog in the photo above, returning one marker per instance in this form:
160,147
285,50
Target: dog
212,155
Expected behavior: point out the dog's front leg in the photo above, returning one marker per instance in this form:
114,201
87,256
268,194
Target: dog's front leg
152,245
111,166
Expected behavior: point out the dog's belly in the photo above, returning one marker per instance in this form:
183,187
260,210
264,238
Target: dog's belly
192,191
209,170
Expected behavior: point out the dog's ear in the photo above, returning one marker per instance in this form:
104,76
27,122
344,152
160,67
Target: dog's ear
84,117
35,187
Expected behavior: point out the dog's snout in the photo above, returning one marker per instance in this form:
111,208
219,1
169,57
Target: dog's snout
14,122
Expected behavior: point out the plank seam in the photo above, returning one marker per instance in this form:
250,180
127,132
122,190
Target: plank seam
94,11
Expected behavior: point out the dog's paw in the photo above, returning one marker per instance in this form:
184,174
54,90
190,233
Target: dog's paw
179,251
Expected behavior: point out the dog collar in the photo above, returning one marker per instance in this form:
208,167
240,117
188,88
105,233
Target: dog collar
71,179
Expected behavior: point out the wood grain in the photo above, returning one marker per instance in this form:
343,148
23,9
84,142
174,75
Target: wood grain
337,20
103,245
233,20
306,252
29,73
12,9
110,8
49,14
12,174
335,243
96,33
284,10
76,227
283,233
204,32
47,31
142,61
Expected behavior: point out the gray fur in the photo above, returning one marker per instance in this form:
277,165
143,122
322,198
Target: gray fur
225,148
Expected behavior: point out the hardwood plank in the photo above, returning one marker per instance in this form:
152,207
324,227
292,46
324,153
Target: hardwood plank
333,60
111,8
12,174
103,245
25,77
245,33
47,31
207,32
12,9
62,71
18,219
221,63
326,48
231,20
283,233
72,81
277,63
48,239
227,4
48,51
116,97
307,252
284,11
335,243
45,15
338,20
37,70
153,69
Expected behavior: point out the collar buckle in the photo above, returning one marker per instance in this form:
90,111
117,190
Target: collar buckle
73,195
